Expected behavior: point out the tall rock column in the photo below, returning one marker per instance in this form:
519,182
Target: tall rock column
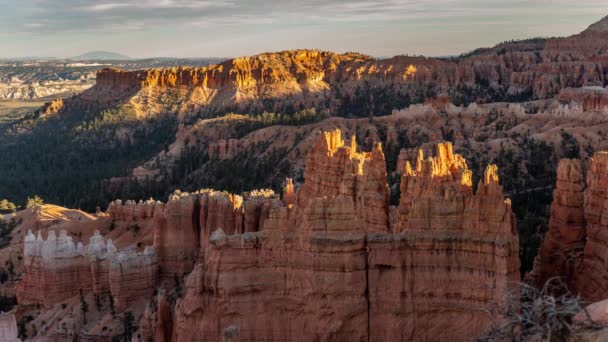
454,254
175,237
562,247
592,278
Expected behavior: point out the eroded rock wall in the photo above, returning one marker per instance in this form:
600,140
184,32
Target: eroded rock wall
575,245
332,267
56,270
563,244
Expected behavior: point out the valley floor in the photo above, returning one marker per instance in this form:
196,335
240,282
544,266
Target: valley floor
13,110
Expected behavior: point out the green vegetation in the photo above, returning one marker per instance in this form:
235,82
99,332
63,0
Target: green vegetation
6,228
11,111
66,158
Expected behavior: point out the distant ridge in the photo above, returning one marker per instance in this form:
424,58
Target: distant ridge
100,55
600,26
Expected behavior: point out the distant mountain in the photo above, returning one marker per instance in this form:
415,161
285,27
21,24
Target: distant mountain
100,55
600,26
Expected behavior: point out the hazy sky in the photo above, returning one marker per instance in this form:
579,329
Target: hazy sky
192,28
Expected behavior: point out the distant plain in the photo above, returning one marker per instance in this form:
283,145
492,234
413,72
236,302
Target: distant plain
13,110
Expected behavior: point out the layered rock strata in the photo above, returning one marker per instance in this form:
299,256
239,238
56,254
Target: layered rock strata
590,98
132,276
592,278
332,266
56,269
575,245
533,69
565,239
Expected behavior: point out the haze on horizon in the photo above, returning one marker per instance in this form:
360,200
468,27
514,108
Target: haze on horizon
208,28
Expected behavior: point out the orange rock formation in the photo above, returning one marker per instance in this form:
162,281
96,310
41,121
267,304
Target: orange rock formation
331,259
335,267
565,239
306,78
575,246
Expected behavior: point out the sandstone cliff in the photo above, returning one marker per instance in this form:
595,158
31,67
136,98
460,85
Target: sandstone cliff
334,265
564,241
574,248
591,278
56,269
300,79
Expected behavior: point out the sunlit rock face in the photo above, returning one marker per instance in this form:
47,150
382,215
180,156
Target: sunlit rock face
533,69
336,266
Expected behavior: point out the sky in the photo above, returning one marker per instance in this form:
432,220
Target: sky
230,28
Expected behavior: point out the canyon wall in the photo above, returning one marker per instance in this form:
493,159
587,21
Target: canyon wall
56,270
574,248
565,239
288,79
592,279
331,258
340,264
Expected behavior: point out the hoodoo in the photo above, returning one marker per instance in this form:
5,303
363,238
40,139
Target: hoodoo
575,245
333,265
332,258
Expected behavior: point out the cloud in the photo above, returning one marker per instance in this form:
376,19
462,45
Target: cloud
390,26
148,5
83,15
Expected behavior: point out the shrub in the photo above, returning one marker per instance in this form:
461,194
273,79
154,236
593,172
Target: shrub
536,314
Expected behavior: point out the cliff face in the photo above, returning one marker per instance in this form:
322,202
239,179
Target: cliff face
590,98
304,78
337,241
332,258
564,241
56,269
456,251
591,280
574,248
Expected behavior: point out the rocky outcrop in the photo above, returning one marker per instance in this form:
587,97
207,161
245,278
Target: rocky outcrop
227,149
132,276
354,182
176,235
592,280
8,328
164,320
454,251
56,269
590,98
38,90
533,69
51,108
575,246
564,241
334,265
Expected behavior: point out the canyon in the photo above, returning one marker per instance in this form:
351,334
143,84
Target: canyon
332,257
399,199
